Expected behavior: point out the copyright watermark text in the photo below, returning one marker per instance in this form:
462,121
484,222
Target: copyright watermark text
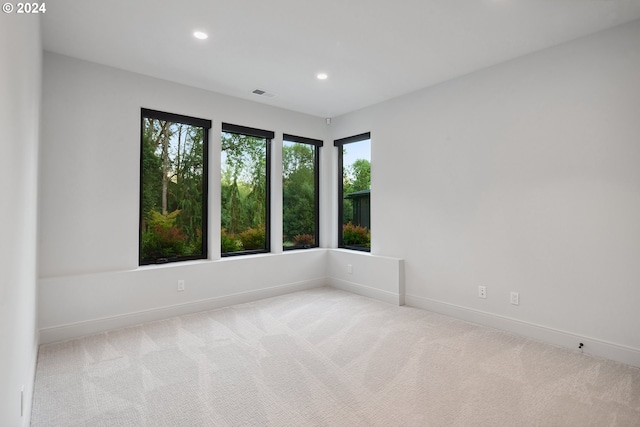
24,8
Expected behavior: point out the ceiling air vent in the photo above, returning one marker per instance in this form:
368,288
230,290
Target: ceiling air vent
261,92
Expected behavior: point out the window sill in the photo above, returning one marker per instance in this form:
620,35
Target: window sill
356,248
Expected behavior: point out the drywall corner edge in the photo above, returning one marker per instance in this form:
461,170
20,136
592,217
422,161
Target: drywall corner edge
362,273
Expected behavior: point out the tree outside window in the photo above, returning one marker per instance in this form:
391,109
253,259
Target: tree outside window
173,187
300,192
245,190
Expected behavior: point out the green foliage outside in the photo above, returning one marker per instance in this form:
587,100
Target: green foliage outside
163,239
172,186
298,188
253,238
243,193
356,235
172,183
355,177
303,240
229,243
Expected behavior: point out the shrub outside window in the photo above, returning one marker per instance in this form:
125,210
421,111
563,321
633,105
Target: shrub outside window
173,187
300,192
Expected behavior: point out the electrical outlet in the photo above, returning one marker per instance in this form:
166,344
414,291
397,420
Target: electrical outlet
515,298
482,291
349,268
180,285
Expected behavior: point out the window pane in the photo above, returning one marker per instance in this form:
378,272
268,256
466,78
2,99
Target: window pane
245,198
173,196
299,193
356,195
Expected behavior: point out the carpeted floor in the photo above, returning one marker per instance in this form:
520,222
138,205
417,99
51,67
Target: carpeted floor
325,358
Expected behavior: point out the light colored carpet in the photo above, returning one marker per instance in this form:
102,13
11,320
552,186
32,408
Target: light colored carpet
325,358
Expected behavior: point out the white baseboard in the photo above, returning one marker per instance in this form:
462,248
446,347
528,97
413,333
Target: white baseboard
79,329
366,291
592,346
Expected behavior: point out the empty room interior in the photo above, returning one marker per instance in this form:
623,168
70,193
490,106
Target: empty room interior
477,264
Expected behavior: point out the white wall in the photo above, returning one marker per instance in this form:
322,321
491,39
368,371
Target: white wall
89,274
76,305
365,274
522,177
20,80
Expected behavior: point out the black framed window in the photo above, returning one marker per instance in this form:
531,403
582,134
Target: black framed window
300,192
354,192
245,195
173,187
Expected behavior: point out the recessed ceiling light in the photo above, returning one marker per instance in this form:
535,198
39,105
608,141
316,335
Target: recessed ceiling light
200,35
322,76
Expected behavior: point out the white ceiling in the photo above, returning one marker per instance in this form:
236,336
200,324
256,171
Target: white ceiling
372,50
